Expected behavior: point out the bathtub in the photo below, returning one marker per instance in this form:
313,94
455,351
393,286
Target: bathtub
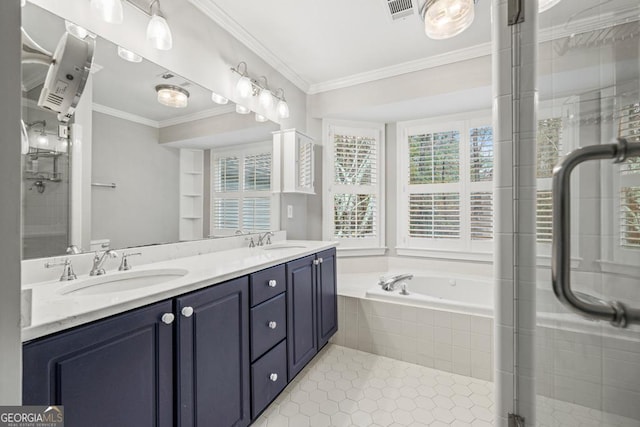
461,295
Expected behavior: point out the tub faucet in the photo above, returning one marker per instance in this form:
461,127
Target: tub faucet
390,284
98,261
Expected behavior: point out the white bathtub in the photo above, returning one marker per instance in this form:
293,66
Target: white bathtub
462,295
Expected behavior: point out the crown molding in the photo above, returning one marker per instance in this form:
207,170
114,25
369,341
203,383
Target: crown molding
212,112
585,25
124,115
222,18
465,54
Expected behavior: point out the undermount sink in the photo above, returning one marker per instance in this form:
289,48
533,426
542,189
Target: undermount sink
122,281
283,246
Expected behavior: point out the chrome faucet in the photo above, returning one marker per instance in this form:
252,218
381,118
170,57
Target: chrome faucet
67,273
391,283
266,235
98,261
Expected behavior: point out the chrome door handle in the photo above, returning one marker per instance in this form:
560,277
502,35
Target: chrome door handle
613,311
168,318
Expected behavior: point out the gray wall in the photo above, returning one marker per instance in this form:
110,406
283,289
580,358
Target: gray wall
10,181
144,208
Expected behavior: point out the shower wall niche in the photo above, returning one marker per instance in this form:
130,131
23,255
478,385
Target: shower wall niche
45,186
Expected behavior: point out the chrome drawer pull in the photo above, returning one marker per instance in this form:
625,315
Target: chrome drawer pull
168,318
272,325
272,283
273,377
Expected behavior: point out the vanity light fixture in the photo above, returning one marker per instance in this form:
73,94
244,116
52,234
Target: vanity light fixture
282,107
127,55
76,30
265,98
172,96
219,99
241,109
260,118
158,31
244,87
444,19
110,11
544,5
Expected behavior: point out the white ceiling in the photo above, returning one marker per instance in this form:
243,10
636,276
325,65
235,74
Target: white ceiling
320,42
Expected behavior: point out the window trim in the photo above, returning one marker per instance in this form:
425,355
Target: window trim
353,247
463,248
242,151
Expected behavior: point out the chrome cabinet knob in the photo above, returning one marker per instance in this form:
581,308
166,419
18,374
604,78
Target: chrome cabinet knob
320,260
316,262
273,377
272,283
168,318
273,325
187,311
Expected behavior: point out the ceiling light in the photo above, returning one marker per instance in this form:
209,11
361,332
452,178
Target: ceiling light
172,96
159,33
110,11
241,109
218,99
127,55
545,5
260,118
444,19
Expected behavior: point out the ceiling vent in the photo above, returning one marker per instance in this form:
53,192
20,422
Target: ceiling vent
399,9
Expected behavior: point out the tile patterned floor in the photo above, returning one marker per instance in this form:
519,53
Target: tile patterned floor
344,387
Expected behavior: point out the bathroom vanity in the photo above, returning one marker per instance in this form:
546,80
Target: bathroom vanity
217,355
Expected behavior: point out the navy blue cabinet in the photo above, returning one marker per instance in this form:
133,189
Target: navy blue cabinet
327,296
115,372
301,314
213,356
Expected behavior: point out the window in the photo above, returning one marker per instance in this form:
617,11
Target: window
445,199
629,181
353,182
549,151
241,190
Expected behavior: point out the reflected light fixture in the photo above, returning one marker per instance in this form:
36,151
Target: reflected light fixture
110,11
172,96
158,31
41,139
444,19
260,118
241,109
265,98
282,108
76,30
544,5
218,99
127,55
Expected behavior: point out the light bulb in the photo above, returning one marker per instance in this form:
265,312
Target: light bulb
127,55
244,87
241,109
218,99
265,99
159,33
260,118
110,11
283,109
545,5
444,19
172,96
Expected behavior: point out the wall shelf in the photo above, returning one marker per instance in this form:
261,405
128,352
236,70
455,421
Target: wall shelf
191,194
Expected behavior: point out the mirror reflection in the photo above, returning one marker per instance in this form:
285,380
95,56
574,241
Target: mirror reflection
120,172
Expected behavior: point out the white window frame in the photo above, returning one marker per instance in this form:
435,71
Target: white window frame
459,249
242,152
362,246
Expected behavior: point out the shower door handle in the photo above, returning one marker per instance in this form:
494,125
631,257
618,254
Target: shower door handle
613,311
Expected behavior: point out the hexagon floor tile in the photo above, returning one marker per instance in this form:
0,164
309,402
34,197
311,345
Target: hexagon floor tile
343,387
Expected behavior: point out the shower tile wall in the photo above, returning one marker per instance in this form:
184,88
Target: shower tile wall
451,342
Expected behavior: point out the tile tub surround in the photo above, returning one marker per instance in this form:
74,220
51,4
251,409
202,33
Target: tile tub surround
451,342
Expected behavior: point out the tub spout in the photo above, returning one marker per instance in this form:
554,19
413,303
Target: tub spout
391,283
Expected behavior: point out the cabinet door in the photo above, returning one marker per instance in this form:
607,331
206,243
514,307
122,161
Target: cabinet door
213,356
301,314
327,297
114,372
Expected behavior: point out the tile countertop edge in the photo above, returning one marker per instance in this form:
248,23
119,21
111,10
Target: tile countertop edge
161,292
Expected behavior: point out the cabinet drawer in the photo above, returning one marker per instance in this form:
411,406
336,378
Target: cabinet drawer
267,284
268,378
268,325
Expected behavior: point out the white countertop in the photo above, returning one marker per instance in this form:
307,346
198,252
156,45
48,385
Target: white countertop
52,311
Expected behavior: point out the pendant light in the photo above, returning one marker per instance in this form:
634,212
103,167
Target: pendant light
172,96
545,5
444,19
110,11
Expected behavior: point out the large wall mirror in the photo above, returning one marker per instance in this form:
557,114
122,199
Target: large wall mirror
118,180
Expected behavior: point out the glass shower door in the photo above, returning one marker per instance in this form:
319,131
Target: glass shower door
588,370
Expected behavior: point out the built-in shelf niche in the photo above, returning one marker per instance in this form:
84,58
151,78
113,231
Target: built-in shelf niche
191,194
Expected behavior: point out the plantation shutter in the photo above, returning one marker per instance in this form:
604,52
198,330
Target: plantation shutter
629,207
549,151
481,154
434,216
226,214
305,164
434,158
257,172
